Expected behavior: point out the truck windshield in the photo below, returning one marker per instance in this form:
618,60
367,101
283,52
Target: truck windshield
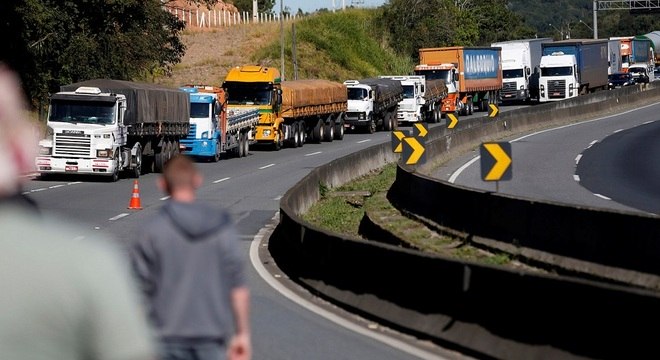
357,94
436,75
87,112
557,71
249,93
512,74
200,110
408,91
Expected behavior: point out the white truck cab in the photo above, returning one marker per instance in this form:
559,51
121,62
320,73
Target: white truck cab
410,108
559,77
360,101
85,132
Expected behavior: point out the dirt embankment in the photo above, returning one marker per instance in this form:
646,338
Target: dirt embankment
211,53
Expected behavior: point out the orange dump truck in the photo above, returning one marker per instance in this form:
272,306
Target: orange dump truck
473,75
291,112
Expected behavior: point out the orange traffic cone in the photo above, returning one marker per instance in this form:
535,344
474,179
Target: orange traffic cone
135,197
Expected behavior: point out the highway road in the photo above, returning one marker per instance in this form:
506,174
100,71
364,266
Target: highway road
288,323
607,162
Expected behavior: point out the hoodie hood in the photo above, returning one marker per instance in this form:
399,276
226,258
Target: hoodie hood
196,220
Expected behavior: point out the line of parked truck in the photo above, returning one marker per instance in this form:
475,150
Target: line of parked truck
108,127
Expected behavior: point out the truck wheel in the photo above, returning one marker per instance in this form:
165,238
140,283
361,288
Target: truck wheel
246,145
329,133
339,130
318,133
371,126
241,145
115,174
437,114
137,160
159,161
301,133
387,122
216,156
296,135
470,108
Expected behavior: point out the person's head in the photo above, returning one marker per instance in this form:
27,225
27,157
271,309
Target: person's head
180,178
18,135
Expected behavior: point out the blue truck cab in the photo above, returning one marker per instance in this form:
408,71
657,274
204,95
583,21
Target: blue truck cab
203,139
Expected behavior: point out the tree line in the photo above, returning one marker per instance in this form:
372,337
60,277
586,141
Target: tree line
55,42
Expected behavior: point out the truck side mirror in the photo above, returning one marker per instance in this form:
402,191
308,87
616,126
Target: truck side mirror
371,94
455,75
527,71
218,108
421,88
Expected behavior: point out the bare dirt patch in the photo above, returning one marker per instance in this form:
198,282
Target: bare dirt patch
211,53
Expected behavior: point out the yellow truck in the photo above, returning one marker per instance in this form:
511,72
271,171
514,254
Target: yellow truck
291,112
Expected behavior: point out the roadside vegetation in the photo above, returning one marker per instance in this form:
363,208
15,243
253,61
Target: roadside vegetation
336,46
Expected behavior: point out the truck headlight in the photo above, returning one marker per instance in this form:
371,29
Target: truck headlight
104,153
522,87
542,88
45,150
266,132
49,133
362,116
205,135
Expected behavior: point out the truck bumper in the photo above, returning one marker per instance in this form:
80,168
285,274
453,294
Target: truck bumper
518,95
51,165
265,134
352,120
407,117
199,147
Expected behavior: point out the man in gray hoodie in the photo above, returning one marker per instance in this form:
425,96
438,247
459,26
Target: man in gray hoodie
190,269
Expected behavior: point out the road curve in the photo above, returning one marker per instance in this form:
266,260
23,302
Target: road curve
544,163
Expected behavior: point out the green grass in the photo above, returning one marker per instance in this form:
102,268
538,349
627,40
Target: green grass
363,51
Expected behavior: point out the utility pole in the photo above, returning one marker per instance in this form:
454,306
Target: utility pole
595,19
281,39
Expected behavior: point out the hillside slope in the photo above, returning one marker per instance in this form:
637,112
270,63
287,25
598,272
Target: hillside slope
210,54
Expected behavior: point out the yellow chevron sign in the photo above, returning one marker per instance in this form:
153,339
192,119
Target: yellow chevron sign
397,141
496,161
414,152
453,120
420,130
494,110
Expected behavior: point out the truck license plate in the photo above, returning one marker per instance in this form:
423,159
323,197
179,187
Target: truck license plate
70,168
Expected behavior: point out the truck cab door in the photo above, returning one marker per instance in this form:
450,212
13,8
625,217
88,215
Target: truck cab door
121,128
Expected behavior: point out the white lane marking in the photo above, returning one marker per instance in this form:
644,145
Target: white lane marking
577,159
592,143
576,178
164,198
37,190
648,122
278,198
25,192
56,186
275,284
314,153
466,165
616,131
266,166
363,141
458,172
602,196
221,180
75,183
118,216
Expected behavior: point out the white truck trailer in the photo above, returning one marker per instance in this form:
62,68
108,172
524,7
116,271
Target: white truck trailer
521,60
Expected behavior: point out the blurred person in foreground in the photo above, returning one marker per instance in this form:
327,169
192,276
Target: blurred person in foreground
188,262
63,295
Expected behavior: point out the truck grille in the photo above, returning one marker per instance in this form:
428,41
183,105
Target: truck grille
74,145
192,133
508,89
556,89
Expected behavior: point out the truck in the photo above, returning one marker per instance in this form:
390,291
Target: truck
212,130
634,50
372,104
614,57
573,67
104,127
521,60
290,112
654,38
473,76
422,99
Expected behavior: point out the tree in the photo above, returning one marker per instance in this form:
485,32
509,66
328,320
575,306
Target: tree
265,6
55,42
